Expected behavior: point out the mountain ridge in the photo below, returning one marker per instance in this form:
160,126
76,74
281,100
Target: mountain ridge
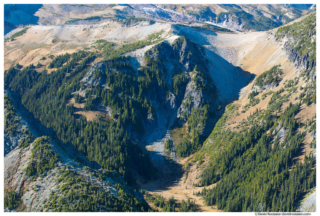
171,109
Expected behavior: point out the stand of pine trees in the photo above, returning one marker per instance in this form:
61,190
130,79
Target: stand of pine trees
46,95
257,172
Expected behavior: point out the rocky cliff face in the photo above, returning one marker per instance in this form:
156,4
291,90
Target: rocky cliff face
237,17
186,61
99,19
191,100
300,43
91,77
259,89
299,59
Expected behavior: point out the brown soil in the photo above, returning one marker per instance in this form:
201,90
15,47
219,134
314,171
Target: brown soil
307,112
76,105
181,189
305,148
90,115
177,132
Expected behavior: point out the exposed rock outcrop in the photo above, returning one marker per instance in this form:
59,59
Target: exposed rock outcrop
91,78
16,129
298,59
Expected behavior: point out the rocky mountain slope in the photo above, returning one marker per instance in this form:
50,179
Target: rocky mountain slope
236,17
233,16
165,107
42,175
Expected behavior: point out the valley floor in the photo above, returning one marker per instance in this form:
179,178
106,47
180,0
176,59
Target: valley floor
180,189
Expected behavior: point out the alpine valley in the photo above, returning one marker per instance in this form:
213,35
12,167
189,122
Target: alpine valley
169,108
